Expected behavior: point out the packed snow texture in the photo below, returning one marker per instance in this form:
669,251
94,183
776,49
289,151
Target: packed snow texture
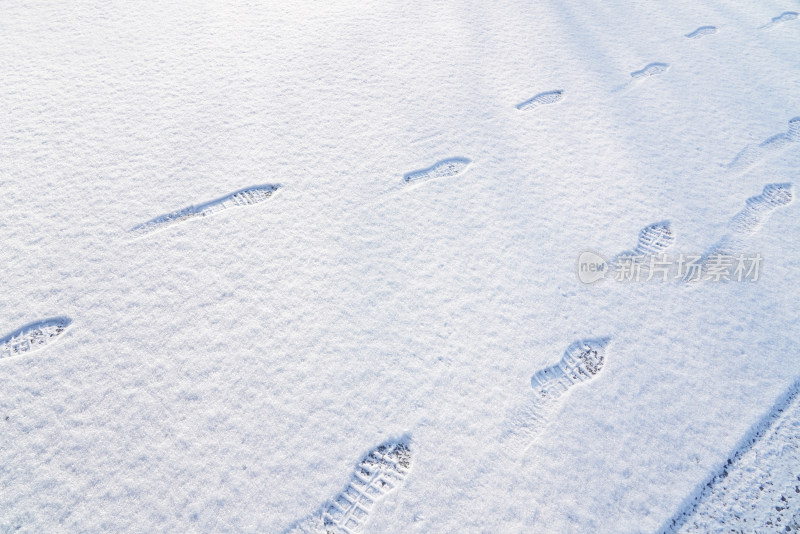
413,272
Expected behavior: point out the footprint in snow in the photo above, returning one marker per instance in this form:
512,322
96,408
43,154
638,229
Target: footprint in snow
653,69
638,76
654,239
701,32
380,472
748,221
33,337
242,198
542,99
786,16
752,155
581,362
442,169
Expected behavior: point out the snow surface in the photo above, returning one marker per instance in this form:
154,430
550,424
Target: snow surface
230,373
758,490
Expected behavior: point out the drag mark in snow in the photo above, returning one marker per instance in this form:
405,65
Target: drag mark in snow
786,16
33,337
653,69
753,154
244,197
442,169
757,489
381,471
542,99
581,362
701,32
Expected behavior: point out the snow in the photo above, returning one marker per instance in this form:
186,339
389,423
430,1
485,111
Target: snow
759,488
228,373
